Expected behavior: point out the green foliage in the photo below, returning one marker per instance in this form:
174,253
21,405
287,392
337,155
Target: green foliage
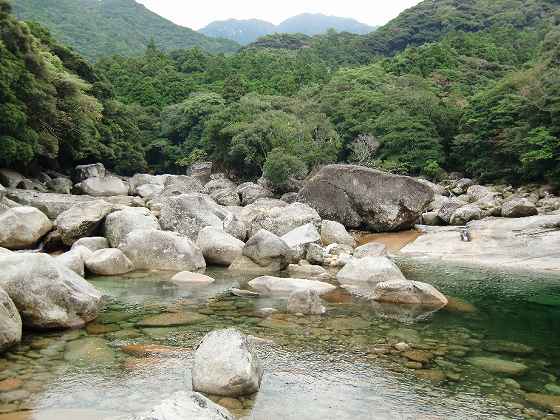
109,27
280,166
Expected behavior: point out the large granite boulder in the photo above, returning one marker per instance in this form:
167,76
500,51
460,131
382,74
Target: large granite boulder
94,243
466,214
268,285
409,293
148,191
201,171
368,271
371,249
302,236
2,192
184,406
159,250
11,179
74,260
306,302
83,172
226,197
54,204
121,223
266,249
82,220
518,207
60,185
219,247
146,179
281,220
22,227
360,197
507,244
46,293
335,233
10,322
180,184
226,364
104,187
187,214
109,262
219,184
448,209
250,192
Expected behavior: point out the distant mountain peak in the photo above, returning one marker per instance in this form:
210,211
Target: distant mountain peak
247,31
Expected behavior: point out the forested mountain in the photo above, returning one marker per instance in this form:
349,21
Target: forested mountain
97,28
481,95
241,31
248,31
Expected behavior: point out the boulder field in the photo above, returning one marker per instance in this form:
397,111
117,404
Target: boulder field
112,225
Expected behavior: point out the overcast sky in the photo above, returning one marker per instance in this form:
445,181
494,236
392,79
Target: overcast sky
198,14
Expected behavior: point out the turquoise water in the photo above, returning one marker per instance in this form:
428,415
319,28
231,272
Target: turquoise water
339,366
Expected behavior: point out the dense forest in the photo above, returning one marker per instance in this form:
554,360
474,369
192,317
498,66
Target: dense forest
450,85
99,28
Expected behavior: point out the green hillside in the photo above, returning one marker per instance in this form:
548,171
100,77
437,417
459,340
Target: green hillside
106,27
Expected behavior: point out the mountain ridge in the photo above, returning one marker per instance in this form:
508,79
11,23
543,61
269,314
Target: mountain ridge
247,31
108,27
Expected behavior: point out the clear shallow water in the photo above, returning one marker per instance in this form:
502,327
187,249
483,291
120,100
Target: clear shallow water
339,366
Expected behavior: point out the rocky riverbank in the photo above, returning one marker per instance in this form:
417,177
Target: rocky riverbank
56,230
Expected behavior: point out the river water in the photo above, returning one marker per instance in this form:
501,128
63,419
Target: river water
494,353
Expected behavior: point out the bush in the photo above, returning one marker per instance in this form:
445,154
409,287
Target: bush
280,166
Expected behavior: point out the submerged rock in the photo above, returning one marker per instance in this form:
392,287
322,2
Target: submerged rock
184,406
501,346
172,319
285,286
47,294
22,227
408,292
361,197
226,364
547,402
10,322
496,365
159,250
306,302
89,350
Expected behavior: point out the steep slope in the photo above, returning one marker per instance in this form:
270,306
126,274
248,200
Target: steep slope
316,23
248,31
105,27
241,31
431,20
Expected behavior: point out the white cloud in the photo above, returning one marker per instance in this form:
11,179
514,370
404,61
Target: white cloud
198,14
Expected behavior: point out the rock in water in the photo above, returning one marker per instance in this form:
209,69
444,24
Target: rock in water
496,365
121,223
159,250
186,277
369,271
109,262
82,220
409,292
22,227
10,322
371,249
226,364
104,187
218,247
269,285
306,302
47,294
184,406
361,197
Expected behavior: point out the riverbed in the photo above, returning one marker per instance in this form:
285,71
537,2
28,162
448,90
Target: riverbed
343,365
